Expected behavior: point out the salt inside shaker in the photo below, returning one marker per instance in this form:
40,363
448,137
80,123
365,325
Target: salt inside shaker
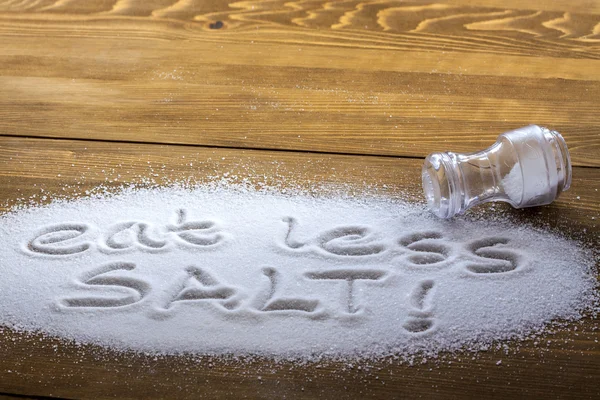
526,167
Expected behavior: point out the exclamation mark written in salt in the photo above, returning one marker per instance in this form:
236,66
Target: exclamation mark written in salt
420,318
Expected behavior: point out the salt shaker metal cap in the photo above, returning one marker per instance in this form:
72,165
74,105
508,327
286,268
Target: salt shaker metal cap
526,167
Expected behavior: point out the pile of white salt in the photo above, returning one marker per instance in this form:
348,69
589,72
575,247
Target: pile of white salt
232,271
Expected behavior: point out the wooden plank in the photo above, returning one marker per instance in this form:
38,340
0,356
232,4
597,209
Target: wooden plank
567,364
67,167
4,396
309,77
556,5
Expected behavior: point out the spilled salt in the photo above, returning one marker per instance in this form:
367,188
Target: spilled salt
232,271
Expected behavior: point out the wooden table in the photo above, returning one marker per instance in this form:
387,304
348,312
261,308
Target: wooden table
340,92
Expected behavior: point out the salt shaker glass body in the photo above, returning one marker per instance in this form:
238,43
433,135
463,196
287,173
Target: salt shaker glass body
526,167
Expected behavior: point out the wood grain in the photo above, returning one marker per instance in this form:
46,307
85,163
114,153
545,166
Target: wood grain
378,77
56,168
565,364
341,96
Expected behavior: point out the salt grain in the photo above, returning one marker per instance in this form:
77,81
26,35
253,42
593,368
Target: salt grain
231,271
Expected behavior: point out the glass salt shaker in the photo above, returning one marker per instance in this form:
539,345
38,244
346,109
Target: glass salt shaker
526,167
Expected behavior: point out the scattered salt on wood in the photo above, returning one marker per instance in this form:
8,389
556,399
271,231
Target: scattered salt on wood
229,271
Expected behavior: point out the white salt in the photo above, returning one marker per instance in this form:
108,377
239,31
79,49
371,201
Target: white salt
513,184
229,271
527,187
530,181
